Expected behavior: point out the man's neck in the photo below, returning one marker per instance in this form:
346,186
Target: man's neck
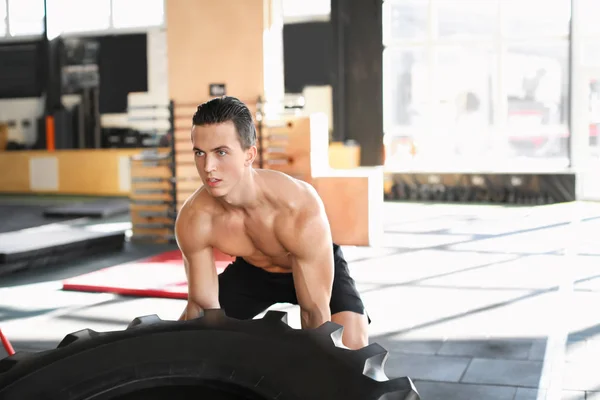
246,196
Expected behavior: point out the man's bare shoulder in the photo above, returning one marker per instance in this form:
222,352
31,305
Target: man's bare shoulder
199,204
194,219
290,193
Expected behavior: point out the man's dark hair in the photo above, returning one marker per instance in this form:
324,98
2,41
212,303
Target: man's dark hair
224,109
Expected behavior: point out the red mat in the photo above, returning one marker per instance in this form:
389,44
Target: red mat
162,275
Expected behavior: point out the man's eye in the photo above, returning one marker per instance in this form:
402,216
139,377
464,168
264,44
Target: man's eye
198,153
222,153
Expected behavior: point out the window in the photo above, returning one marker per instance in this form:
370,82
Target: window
407,88
26,17
536,18
69,16
406,112
405,20
590,9
137,13
474,83
3,18
463,99
536,85
470,19
594,115
590,52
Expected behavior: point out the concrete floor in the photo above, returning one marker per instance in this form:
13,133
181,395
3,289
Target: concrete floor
473,302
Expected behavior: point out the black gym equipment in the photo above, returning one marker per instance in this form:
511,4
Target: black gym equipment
33,249
15,217
211,357
90,209
490,188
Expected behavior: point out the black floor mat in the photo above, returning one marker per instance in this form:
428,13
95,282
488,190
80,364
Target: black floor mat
16,217
23,250
92,209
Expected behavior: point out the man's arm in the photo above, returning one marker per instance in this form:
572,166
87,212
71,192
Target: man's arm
192,231
307,236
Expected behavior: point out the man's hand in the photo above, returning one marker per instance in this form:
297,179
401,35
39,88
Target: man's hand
307,236
191,311
311,319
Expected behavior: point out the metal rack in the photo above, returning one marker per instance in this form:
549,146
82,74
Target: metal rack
153,198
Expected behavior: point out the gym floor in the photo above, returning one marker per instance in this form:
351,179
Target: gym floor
473,302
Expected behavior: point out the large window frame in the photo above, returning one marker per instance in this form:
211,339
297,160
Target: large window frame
111,29
585,64
431,43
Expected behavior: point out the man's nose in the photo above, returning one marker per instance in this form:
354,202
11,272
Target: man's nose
209,164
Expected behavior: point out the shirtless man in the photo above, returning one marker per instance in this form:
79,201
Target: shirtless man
273,224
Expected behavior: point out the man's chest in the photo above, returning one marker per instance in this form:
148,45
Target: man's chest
248,237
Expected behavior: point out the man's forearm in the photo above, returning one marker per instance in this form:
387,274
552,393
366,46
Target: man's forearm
313,318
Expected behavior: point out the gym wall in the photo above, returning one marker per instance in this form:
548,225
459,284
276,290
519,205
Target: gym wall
215,42
22,71
20,114
157,87
123,69
128,63
308,55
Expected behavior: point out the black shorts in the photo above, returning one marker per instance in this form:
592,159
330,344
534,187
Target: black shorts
245,290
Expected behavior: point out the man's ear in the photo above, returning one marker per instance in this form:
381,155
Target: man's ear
250,155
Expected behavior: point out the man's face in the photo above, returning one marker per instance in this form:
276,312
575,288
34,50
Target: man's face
220,159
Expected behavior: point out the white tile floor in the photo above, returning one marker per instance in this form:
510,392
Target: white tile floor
473,302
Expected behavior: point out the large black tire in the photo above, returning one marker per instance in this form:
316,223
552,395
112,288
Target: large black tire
213,356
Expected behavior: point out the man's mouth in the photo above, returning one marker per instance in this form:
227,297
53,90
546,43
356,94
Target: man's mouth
213,181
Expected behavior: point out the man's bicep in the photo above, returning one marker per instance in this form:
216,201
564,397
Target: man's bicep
313,279
313,269
199,263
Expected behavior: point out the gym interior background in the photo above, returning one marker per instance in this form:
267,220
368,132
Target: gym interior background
461,134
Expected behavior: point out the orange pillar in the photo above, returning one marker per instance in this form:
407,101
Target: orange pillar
50,135
218,42
211,42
